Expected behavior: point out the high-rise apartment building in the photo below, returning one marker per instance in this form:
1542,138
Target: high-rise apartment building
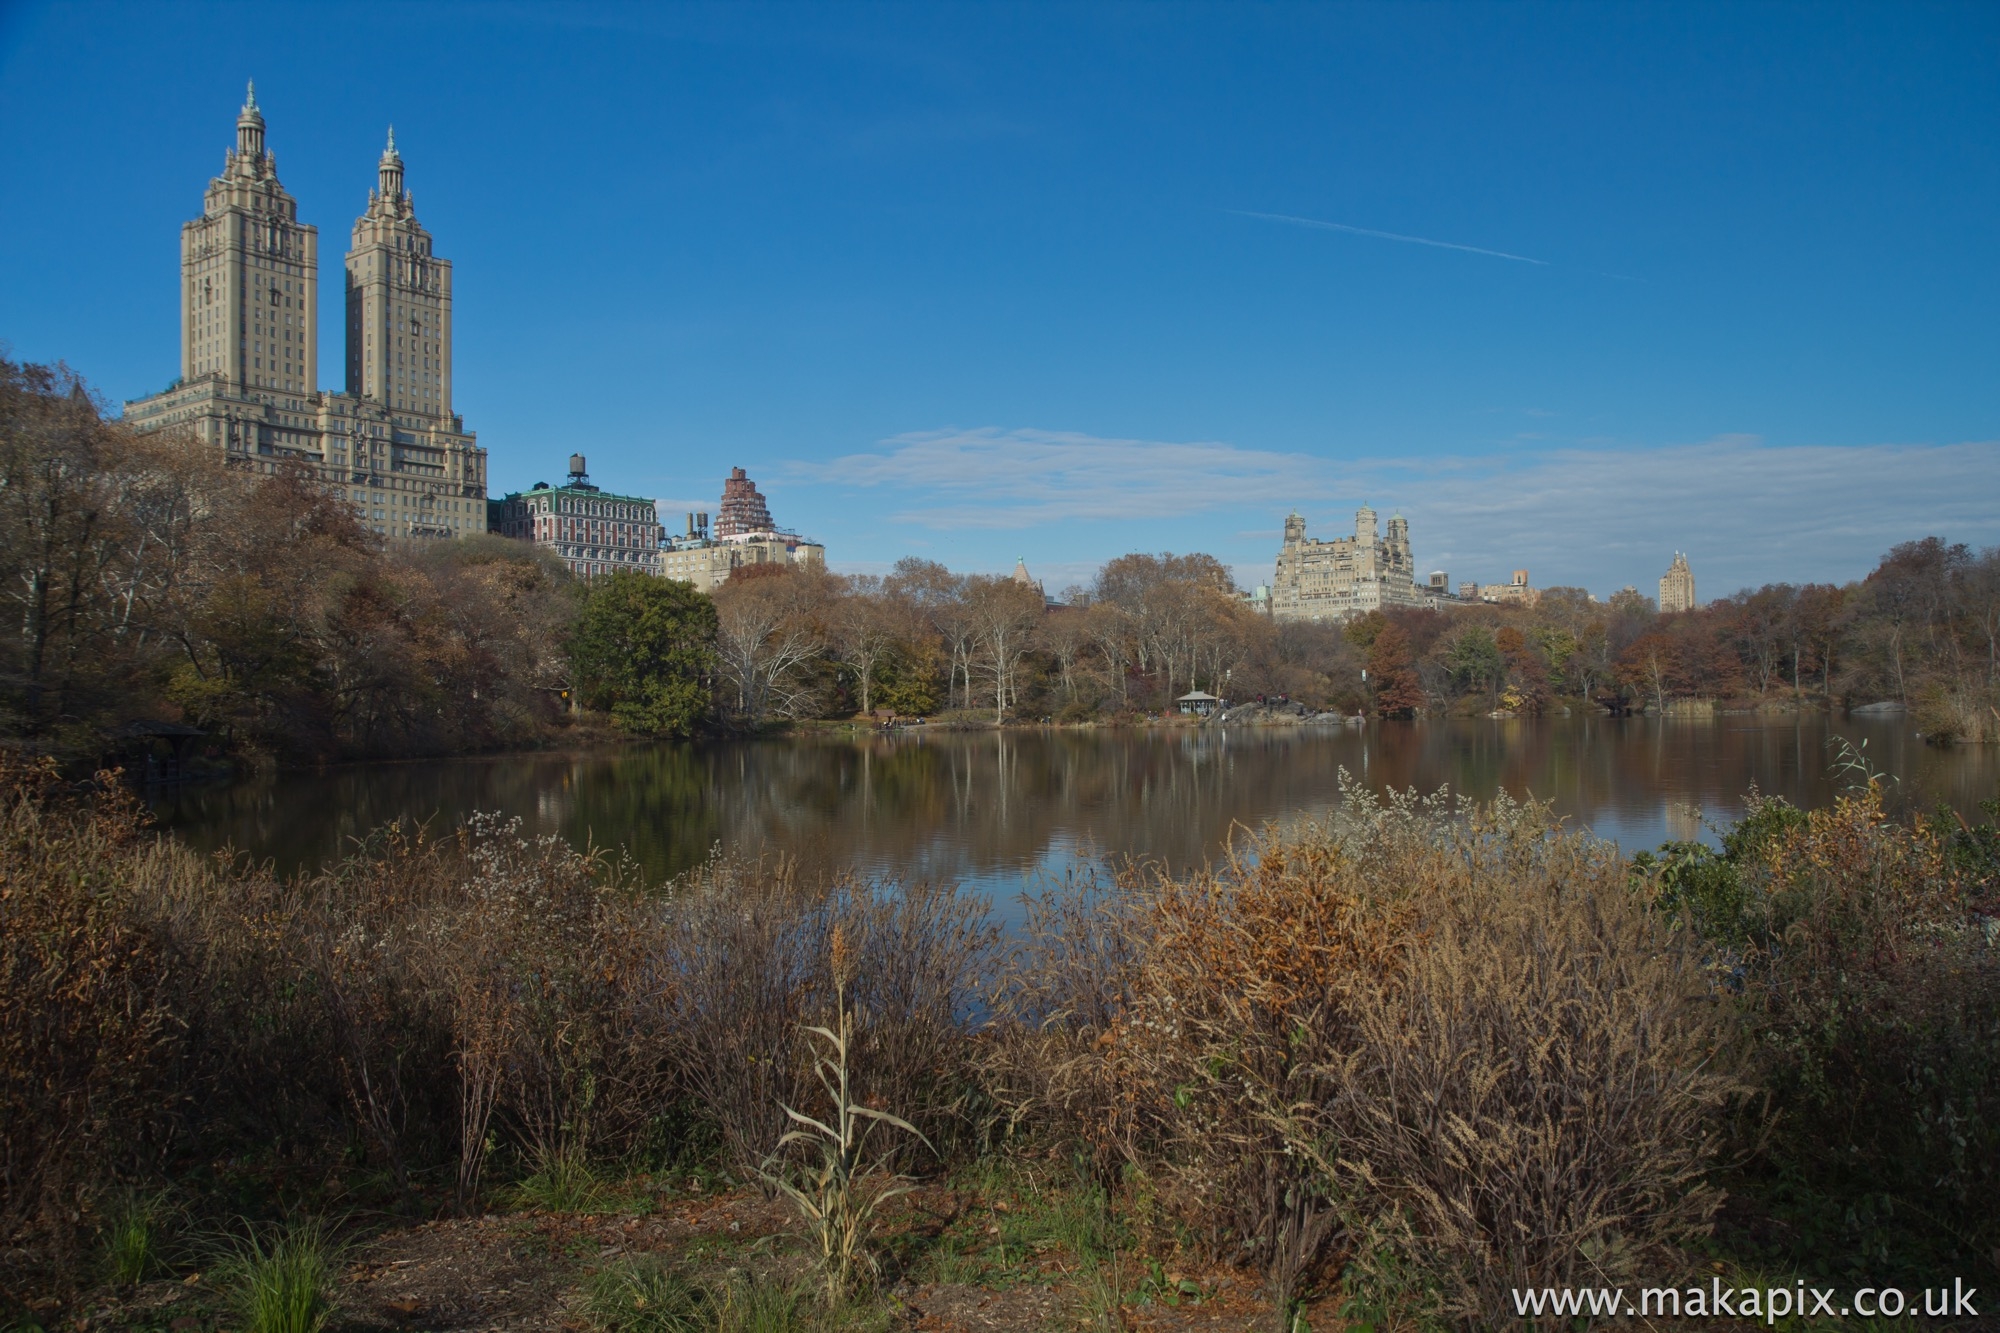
1677,586
398,302
249,383
743,510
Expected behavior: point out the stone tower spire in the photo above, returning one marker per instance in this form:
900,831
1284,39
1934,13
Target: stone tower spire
389,171
250,279
399,351
250,126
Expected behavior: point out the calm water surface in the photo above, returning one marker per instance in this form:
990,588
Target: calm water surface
992,808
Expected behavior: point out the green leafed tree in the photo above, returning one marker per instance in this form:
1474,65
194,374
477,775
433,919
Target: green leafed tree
643,650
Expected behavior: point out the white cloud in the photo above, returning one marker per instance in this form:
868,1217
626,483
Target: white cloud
1746,512
992,478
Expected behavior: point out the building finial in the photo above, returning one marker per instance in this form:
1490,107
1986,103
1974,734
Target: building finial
389,171
250,99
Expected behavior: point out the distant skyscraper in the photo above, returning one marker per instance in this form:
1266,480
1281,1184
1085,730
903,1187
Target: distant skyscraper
249,381
1677,586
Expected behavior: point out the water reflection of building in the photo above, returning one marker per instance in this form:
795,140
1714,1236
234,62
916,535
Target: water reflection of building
987,808
1683,821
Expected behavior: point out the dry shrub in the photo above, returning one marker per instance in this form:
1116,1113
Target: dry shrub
1874,985
90,1040
409,995
738,959
427,998
1536,1096
1452,1034
1958,710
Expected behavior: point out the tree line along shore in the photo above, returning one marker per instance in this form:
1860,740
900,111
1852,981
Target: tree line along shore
155,590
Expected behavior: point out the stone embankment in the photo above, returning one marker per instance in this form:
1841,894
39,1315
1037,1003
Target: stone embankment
1287,714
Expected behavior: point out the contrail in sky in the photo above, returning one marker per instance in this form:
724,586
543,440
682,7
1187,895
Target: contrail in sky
1385,235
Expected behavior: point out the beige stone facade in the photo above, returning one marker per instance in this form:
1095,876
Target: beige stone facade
249,383
1348,576
744,535
708,562
593,531
1514,592
1677,586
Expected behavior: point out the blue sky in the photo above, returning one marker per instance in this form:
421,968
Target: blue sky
1063,281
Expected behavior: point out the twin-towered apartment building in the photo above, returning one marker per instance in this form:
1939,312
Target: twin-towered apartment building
390,442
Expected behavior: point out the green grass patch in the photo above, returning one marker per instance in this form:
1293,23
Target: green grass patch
280,1279
649,1295
134,1239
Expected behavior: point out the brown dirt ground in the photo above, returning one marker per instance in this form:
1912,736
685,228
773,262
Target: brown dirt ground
523,1272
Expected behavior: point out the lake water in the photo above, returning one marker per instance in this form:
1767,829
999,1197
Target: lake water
992,809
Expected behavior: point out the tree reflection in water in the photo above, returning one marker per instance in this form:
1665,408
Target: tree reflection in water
986,808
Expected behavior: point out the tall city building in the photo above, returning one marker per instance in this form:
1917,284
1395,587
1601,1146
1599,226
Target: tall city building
249,383
1348,576
1677,586
398,302
250,274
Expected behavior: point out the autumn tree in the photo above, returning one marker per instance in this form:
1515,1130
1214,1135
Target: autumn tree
1064,634
1392,672
1648,666
867,624
1476,663
937,598
771,632
65,518
1004,616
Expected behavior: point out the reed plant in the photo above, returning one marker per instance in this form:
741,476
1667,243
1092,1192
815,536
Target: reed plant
839,1195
